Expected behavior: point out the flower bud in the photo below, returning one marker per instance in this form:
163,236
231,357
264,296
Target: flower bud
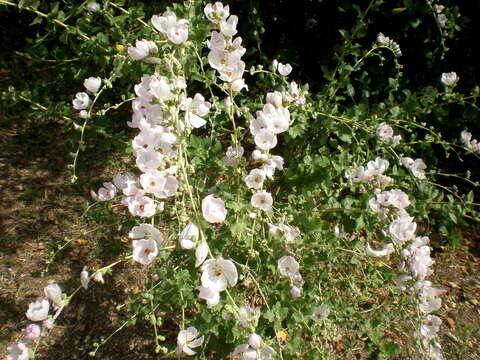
295,292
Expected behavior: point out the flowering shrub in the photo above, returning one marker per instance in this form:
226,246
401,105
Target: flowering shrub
258,205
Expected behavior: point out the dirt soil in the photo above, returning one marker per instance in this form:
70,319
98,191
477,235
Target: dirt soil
45,238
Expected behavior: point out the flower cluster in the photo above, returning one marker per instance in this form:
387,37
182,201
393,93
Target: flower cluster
383,40
38,312
225,51
471,144
82,99
168,25
385,133
441,17
416,261
371,174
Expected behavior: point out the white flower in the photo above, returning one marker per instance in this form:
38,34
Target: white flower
429,296
188,339
449,79
218,273
19,351
54,293
38,310
144,251
320,312
84,277
288,266
284,70
216,13
189,236
81,101
213,209
386,250
92,84
212,297
93,6
201,253
262,200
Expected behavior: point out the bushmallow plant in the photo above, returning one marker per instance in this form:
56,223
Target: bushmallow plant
239,194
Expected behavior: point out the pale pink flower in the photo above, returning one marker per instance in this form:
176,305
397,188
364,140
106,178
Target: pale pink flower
168,25
229,27
196,109
189,236
320,313
32,331
201,253
295,291
384,132
386,250
265,139
262,200
146,231
288,266
213,209
216,13
92,84
84,277
188,339
212,297
142,49
54,293
81,101
218,273
402,229
255,179
449,79
18,351
284,70
38,310
144,251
